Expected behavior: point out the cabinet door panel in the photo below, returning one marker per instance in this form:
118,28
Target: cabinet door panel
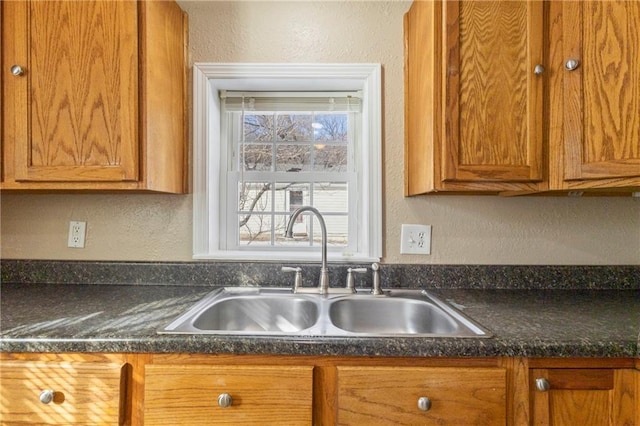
81,81
187,394
389,395
584,397
493,107
602,95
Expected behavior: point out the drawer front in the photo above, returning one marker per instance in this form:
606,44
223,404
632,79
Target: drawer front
89,394
189,394
388,395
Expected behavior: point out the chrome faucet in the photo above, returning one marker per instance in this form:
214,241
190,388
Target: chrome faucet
323,285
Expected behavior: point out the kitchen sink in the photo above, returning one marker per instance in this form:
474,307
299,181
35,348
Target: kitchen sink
280,312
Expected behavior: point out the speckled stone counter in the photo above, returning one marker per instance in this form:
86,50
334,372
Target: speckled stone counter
124,318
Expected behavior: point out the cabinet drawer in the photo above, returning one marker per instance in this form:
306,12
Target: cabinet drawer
390,395
188,394
82,393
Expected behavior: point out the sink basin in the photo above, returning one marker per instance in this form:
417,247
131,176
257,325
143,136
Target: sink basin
258,313
391,316
240,313
279,312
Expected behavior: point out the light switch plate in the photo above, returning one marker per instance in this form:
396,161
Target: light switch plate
415,239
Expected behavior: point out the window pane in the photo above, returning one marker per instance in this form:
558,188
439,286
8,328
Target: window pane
256,157
255,230
293,127
306,234
254,197
330,127
337,230
293,158
330,158
331,197
289,196
258,127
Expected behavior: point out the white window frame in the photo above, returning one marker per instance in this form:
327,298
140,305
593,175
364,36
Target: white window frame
210,78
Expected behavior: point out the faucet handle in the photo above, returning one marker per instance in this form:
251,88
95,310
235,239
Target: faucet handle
377,288
297,283
351,285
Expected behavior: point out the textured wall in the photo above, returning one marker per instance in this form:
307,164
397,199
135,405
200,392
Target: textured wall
487,230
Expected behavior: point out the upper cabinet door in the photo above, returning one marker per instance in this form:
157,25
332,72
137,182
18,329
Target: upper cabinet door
601,90
74,113
494,75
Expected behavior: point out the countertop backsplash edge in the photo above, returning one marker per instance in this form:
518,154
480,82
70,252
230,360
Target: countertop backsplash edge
269,274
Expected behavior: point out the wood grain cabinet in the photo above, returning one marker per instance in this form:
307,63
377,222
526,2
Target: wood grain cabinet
583,396
193,389
78,390
93,95
521,96
595,97
233,394
425,396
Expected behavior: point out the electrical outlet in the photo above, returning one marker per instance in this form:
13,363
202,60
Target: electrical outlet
76,234
415,239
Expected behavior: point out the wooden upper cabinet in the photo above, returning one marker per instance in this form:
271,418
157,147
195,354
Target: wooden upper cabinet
474,102
601,123
493,105
482,116
99,103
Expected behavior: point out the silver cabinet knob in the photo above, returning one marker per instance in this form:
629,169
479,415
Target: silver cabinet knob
225,400
46,396
572,64
542,384
424,403
17,70
538,69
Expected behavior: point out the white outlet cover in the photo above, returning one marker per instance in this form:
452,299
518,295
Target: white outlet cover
77,232
415,239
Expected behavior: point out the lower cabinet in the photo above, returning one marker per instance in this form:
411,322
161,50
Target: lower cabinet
228,395
78,390
193,389
583,396
425,396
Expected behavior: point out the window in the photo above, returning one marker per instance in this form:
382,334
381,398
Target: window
270,138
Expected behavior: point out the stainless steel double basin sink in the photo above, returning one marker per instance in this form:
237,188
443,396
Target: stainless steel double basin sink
280,312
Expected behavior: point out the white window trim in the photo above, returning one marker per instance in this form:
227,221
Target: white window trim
210,78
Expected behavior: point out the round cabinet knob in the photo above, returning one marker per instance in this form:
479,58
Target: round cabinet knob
538,69
572,64
46,396
424,403
225,400
542,384
17,70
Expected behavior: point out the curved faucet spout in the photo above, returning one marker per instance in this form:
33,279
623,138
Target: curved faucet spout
323,285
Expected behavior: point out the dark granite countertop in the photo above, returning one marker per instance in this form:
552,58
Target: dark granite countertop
124,318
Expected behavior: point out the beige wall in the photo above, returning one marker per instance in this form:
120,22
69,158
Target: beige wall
483,230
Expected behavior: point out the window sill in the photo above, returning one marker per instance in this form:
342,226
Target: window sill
284,256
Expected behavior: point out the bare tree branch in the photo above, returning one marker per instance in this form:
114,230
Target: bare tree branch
264,189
